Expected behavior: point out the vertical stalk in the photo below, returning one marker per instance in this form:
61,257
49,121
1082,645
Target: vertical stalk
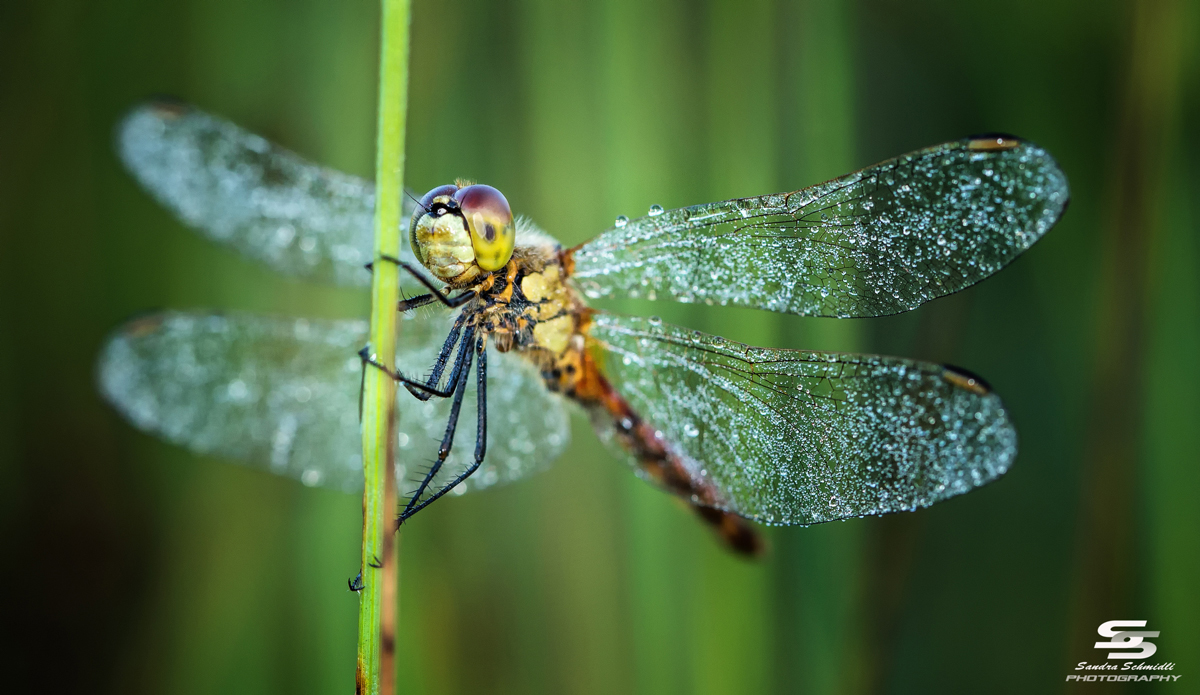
379,391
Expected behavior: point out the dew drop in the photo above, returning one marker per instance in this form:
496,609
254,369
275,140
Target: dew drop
656,210
654,321
621,221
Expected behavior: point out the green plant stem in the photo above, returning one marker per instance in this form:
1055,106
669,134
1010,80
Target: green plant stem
379,391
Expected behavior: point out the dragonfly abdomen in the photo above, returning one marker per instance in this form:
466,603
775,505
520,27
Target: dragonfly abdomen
655,457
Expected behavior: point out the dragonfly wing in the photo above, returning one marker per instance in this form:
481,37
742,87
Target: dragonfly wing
240,190
282,395
879,241
790,437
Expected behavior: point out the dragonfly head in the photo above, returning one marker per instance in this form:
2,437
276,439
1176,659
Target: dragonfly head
460,231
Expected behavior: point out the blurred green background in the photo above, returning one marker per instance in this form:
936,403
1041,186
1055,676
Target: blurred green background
134,567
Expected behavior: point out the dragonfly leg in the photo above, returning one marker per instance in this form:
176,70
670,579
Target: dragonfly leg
439,365
460,388
451,302
428,388
356,583
405,305
480,439
510,276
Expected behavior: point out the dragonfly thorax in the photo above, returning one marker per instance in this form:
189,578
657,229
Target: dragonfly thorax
461,232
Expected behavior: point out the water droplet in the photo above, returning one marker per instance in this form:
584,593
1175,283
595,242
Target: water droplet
655,321
656,210
691,430
621,221
311,477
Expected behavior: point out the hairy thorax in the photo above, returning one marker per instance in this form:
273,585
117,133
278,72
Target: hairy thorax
530,308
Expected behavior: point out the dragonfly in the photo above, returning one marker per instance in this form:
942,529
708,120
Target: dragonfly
497,309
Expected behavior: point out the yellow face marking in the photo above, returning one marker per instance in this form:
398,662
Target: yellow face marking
443,245
555,334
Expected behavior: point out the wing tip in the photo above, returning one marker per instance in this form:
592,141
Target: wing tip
1056,187
144,124
118,364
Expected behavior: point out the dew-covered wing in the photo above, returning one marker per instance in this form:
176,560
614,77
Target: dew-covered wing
879,241
240,190
281,394
790,437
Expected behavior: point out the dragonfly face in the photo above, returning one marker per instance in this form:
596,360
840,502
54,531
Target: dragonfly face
775,436
460,232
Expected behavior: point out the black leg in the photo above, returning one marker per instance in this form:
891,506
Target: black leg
451,302
480,441
460,388
356,583
414,302
427,388
481,406
439,364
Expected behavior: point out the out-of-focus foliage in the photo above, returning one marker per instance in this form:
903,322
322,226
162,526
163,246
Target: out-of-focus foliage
147,569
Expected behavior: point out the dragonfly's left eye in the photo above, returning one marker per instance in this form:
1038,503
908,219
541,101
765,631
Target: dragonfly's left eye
490,220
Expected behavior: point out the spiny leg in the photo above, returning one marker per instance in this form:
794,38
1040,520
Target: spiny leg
451,302
439,365
480,438
460,388
405,305
429,388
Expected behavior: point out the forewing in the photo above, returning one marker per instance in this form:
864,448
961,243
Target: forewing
242,191
879,241
282,395
792,437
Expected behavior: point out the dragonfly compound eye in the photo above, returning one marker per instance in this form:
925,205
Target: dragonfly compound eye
490,221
